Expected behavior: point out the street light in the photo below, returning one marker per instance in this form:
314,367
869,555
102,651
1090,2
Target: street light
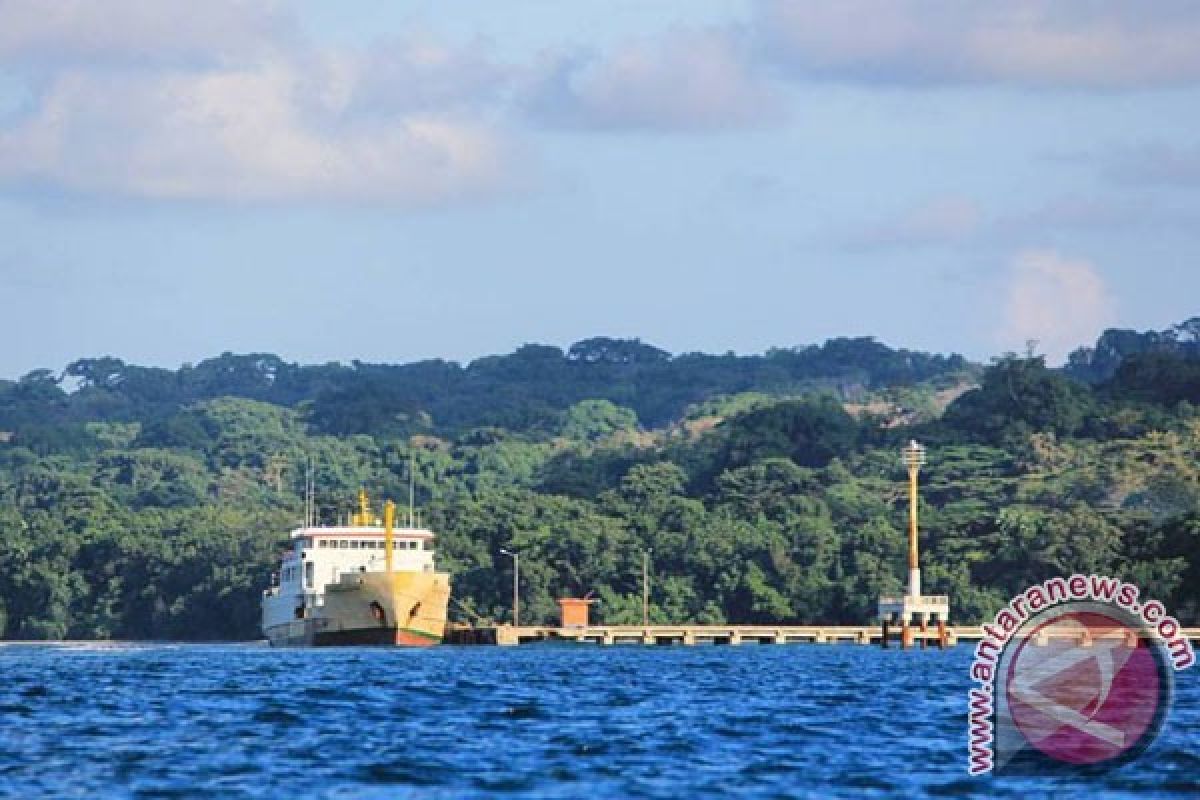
516,581
645,588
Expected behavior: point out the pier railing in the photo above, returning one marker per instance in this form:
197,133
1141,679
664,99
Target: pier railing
710,634
941,599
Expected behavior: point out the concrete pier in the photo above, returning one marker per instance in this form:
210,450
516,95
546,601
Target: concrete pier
744,635
688,635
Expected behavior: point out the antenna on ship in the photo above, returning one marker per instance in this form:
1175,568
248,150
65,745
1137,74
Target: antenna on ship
412,484
310,492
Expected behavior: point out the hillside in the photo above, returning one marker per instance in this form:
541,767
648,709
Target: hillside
143,502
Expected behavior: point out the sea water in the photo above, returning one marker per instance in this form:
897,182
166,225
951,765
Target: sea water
535,721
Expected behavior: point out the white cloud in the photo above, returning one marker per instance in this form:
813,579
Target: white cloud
1104,44
227,100
682,80
416,71
130,101
1061,303
254,134
729,76
39,33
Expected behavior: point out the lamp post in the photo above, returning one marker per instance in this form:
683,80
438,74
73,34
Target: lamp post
516,582
913,608
914,458
645,588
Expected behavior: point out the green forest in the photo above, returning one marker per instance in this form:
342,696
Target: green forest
148,503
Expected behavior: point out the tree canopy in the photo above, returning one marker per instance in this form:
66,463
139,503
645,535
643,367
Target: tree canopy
143,502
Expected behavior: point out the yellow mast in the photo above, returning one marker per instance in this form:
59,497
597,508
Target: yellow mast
914,459
364,509
389,519
913,471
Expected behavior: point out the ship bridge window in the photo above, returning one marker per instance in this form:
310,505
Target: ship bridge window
323,543
354,544
343,544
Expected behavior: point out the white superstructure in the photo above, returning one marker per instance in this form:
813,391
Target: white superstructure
320,556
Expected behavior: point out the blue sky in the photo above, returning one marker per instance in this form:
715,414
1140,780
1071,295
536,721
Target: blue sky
391,182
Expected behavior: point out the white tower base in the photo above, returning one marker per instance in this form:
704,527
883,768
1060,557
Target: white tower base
909,608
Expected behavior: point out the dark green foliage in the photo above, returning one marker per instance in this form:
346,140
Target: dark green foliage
1021,396
592,420
528,389
1114,347
185,430
602,349
1173,552
1158,378
153,503
810,432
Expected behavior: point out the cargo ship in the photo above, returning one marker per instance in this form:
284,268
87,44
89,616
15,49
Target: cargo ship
363,583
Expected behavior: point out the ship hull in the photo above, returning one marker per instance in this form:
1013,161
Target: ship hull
400,609
307,636
379,637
